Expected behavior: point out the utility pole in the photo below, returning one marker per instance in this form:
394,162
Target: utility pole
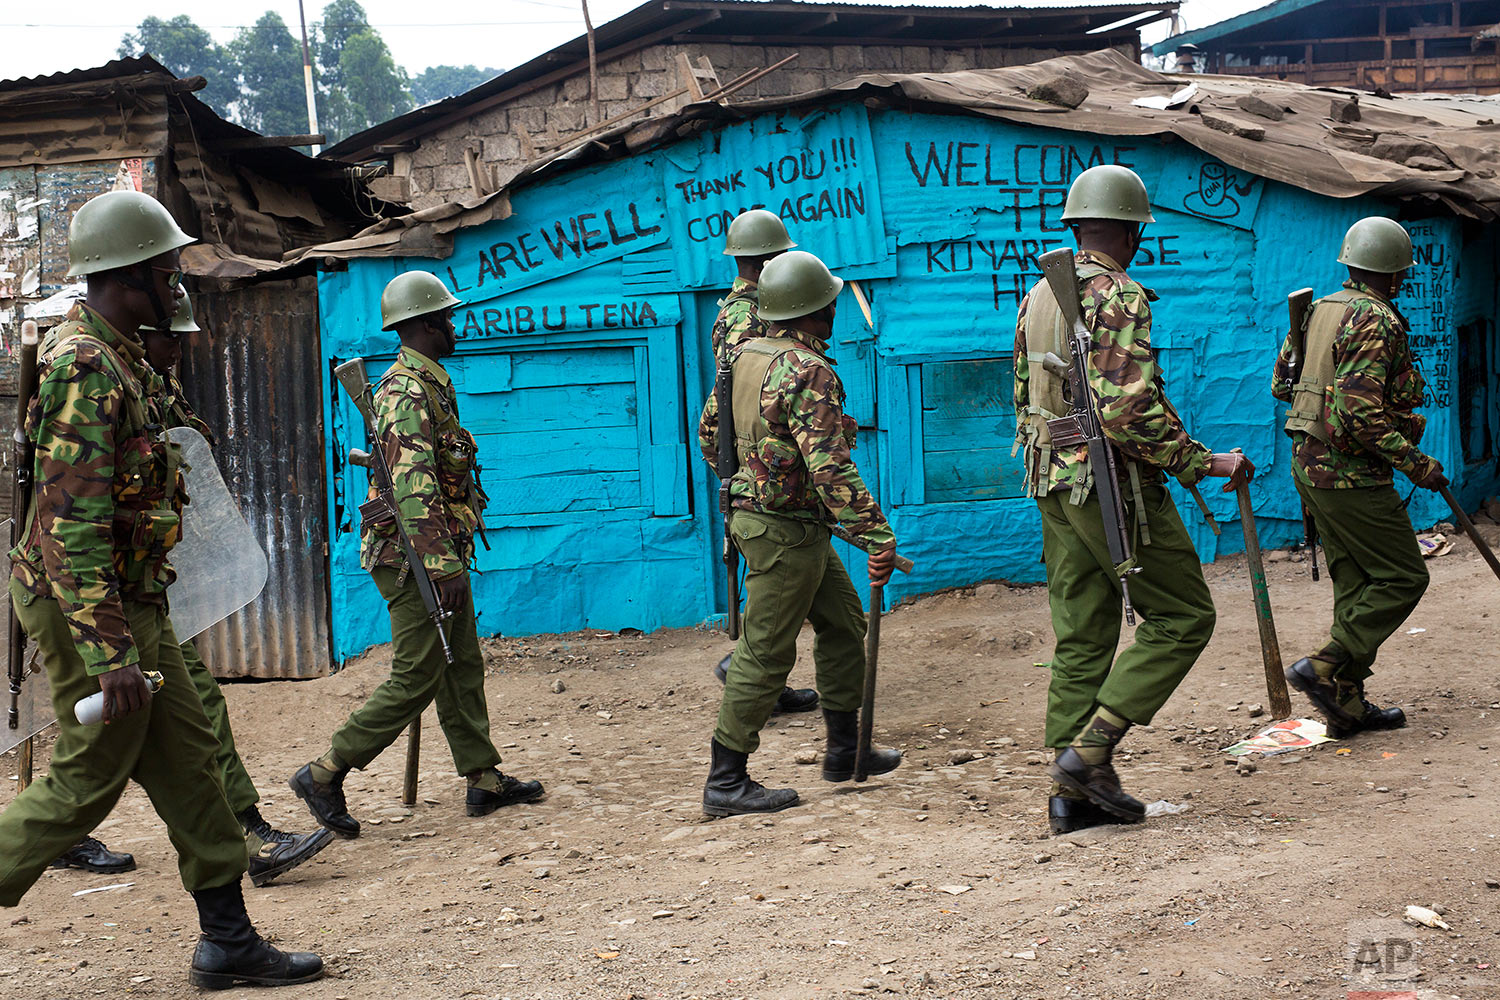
307,81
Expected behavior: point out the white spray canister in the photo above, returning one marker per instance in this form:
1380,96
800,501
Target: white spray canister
90,711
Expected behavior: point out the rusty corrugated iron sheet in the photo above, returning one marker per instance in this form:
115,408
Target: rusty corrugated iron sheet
83,120
252,375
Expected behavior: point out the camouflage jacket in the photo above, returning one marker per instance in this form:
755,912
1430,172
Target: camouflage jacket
108,500
434,468
1369,417
1133,407
803,469
179,412
737,320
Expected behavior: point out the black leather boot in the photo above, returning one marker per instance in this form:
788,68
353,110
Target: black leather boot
843,738
730,791
1098,783
325,801
483,801
271,852
92,856
1374,717
230,952
1324,695
790,700
1067,815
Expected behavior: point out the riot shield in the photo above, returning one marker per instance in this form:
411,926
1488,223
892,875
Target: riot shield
220,568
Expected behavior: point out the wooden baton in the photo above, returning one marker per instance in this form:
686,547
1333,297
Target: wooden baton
1470,530
1270,649
413,757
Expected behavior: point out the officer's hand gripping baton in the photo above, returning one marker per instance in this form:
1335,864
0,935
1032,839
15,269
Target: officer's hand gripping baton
1082,425
1270,649
872,662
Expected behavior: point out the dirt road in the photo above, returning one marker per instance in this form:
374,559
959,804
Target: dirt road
938,880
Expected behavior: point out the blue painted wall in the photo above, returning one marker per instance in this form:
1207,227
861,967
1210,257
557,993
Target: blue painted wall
584,355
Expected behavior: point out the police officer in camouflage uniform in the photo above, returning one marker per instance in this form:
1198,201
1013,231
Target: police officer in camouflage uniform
795,474
755,237
1094,697
1353,420
271,852
89,582
432,461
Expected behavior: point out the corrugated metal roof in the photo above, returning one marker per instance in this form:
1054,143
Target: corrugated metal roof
1306,149
130,66
1229,26
785,23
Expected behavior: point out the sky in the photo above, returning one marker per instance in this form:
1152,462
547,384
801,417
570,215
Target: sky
41,39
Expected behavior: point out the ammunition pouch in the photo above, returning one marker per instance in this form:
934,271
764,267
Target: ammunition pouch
375,514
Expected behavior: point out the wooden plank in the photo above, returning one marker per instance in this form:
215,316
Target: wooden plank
270,141
572,367
582,449
974,429
555,493
549,408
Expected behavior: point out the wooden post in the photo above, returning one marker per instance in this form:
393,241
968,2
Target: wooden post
588,27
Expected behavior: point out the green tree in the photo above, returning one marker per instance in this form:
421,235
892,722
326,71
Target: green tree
438,82
187,50
359,81
375,85
342,20
270,61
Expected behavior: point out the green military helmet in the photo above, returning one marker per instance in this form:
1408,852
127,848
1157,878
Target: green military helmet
756,233
1108,192
415,293
118,229
1377,244
796,284
182,320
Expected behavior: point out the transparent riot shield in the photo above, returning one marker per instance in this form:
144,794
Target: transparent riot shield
220,568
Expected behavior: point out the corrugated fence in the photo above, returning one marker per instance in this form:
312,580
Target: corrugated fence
253,376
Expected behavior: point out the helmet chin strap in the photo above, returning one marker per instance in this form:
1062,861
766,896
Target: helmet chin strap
130,279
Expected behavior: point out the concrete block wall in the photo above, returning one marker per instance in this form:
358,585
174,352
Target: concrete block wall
436,169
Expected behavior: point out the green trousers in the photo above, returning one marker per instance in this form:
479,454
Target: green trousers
792,575
238,787
1376,567
167,747
1171,600
419,676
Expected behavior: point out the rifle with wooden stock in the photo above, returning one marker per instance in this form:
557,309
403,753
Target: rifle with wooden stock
1297,304
22,458
725,467
384,506
1082,425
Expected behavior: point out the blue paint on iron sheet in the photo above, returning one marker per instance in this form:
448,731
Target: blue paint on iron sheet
814,169
1209,189
582,219
583,375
